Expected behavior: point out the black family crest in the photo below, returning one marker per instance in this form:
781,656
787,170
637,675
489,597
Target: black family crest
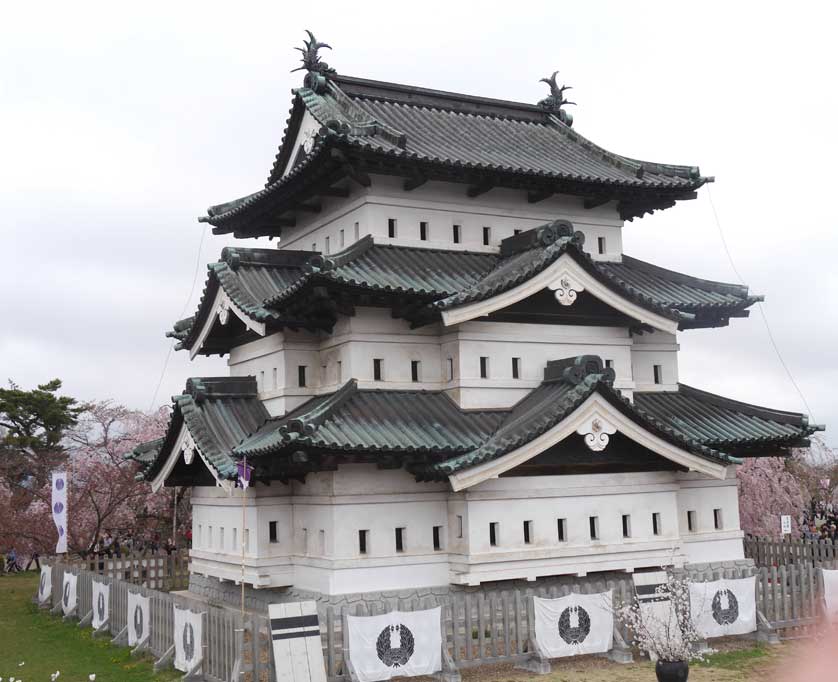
43,584
100,607
395,656
188,642
66,595
725,615
574,625
138,621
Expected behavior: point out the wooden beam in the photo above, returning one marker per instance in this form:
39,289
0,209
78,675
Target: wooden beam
480,188
413,182
539,195
310,208
341,192
280,222
593,202
357,174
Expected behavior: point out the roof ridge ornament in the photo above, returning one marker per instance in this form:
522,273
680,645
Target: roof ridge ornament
318,70
554,103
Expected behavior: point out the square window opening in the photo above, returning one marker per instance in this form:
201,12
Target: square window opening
273,536
459,526
527,532
423,231
656,523
609,364
487,236
363,541
456,234
561,527
236,539
516,231
657,371
484,367
626,525
400,539
415,367
601,244
342,241
321,542
378,369
516,368
691,521
301,375
391,228
275,378
450,366
494,532
718,521
328,245
357,231
314,246
593,526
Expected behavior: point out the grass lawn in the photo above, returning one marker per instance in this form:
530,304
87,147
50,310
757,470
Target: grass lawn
44,644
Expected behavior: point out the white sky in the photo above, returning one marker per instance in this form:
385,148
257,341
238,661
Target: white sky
119,125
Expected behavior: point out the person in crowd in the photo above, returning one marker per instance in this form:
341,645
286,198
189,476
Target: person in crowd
12,566
35,558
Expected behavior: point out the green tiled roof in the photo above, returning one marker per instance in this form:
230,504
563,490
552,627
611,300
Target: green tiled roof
219,413
265,283
428,432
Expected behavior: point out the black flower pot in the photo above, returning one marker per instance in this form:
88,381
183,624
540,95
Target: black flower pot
672,671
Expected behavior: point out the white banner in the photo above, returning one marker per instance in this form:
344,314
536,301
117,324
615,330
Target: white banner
656,609
575,624
188,642
101,604
830,594
59,509
68,593
139,621
298,651
396,644
45,586
724,607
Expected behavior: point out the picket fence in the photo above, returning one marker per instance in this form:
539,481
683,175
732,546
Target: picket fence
155,570
772,552
479,627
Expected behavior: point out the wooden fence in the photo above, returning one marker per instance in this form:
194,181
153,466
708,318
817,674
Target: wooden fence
479,627
154,570
770,552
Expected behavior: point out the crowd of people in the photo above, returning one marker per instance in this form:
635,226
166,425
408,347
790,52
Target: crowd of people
820,522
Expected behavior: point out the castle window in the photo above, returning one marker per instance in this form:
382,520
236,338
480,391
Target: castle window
516,368
272,532
457,234
601,244
363,539
275,379
328,247
400,539
377,369
527,532
487,236
321,542
657,371
247,539
305,541
609,364
626,526
301,375
391,228
561,527
484,367
357,231
494,531
209,537
261,384
314,246
656,523
450,364
342,239
235,543
200,535
221,538
718,522
437,538
691,521
415,366
340,371
459,526
423,231
593,525
517,231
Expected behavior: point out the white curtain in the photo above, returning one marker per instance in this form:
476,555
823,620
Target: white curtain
68,594
45,586
101,602
139,621
188,631
59,509
830,594
575,624
397,644
724,607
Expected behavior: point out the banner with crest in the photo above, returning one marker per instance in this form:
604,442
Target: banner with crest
139,619
396,644
574,625
188,638
724,607
69,596
101,604
45,585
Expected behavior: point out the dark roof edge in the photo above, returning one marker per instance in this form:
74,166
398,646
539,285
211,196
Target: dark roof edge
201,388
781,416
682,278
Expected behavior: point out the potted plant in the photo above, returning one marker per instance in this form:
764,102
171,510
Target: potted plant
661,626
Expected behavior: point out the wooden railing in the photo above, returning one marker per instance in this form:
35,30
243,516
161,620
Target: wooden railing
154,570
771,552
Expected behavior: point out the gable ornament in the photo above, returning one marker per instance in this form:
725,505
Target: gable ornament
596,431
189,448
317,70
224,311
566,288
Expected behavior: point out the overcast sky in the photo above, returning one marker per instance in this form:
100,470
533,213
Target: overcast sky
120,124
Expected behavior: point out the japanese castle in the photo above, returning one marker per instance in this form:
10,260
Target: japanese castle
449,373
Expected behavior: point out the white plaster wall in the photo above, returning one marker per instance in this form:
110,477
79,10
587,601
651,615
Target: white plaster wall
706,543
648,350
442,205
